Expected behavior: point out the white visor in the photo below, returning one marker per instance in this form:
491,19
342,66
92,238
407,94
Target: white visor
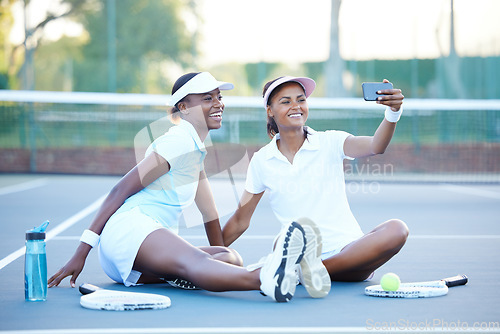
307,83
201,83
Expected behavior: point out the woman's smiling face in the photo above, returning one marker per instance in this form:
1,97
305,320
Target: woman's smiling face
211,108
288,106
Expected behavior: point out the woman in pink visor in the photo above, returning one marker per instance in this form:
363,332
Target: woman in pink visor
302,171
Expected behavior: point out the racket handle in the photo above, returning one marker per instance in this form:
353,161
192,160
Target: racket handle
456,280
87,288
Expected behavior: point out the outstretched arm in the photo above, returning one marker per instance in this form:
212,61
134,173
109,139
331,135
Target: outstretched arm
240,220
148,170
362,146
206,204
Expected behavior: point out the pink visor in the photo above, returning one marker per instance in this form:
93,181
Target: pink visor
306,83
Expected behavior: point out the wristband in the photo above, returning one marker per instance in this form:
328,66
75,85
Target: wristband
90,238
393,116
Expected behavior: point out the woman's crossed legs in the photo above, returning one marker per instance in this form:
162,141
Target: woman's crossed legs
362,257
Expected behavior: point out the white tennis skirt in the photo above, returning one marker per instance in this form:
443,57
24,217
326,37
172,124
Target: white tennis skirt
120,241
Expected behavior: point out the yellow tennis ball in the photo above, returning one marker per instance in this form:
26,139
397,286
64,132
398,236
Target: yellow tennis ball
390,282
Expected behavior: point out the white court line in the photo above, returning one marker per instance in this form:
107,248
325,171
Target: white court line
471,191
245,330
212,330
23,186
56,230
455,236
244,237
271,237
187,237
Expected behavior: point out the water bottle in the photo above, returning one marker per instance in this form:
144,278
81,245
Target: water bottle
35,264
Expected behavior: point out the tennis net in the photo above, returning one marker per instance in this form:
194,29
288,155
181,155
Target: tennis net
96,133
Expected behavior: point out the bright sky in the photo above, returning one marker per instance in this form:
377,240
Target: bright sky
296,31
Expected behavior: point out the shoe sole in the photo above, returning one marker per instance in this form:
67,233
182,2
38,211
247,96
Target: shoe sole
286,271
315,275
182,284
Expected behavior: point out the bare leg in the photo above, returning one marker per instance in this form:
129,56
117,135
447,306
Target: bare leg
223,254
360,258
163,253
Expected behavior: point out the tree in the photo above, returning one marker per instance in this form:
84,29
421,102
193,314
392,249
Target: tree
449,78
54,63
6,23
32,38
144,33
452,65
335,65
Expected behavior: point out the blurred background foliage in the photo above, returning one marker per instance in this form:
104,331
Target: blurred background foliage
142,46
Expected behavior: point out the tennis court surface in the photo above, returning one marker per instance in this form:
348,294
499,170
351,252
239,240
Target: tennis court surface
454,230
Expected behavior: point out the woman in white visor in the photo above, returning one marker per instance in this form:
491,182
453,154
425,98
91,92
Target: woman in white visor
137,224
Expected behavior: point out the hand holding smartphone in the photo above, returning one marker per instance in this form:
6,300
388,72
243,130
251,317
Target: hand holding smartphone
370,89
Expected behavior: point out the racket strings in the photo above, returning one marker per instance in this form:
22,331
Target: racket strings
410,290
123,301
430,284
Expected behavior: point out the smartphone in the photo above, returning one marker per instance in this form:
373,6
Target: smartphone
370,89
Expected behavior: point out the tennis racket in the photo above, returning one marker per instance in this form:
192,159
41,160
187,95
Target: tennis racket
101,299
418,289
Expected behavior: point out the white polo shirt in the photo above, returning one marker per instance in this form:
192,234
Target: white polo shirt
166,197
312,186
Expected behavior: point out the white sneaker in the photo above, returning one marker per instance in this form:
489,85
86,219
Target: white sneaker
182,284
314,276
277,276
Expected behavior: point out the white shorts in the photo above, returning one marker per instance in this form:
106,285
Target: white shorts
120,241
328,254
